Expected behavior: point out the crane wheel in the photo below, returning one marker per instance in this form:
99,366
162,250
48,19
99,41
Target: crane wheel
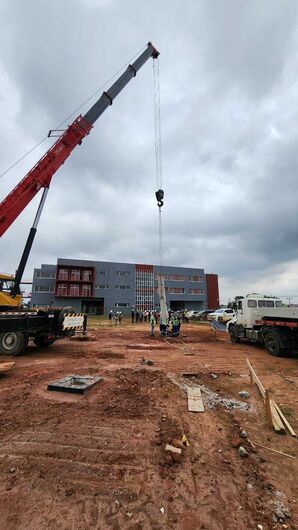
12,343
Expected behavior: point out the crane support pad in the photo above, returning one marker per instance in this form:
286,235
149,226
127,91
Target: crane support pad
75,384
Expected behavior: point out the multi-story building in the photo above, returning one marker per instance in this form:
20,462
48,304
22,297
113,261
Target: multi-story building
96,287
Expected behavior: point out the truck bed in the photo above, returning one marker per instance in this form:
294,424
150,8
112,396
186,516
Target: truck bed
283,314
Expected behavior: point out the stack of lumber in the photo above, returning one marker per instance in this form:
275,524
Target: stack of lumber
5,367
276,418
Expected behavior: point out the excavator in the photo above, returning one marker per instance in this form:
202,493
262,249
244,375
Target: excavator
17,324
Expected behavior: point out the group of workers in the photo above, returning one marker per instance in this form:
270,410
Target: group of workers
170,326
140,316
117,317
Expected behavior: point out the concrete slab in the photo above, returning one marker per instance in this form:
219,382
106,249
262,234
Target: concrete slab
75,384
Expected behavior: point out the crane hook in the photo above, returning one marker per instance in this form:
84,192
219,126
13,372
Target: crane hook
159,194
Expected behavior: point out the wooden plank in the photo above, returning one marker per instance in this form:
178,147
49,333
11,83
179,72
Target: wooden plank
275,416
284,419
274,450
173,449
256,379
195,402
5,367
278,426
268,409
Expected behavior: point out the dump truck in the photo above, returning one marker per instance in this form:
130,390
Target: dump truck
264,320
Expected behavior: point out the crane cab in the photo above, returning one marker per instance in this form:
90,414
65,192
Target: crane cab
7,301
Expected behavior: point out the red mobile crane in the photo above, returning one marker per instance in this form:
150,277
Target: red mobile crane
17,328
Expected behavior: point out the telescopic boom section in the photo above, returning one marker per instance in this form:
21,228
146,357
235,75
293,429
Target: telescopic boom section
41,174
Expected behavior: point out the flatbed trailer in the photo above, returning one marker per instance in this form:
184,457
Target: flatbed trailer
43,327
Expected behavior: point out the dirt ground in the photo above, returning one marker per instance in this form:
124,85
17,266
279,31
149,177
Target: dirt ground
98,461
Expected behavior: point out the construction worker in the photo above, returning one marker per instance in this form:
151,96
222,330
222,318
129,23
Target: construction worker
133,315
179,316
152,322
163,325
116,318
175,325
110,317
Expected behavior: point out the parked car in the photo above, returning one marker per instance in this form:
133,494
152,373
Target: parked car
192,315
221,315
198,315
203,315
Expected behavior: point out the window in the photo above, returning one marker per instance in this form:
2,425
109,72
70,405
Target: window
43,289
266,303
86,290
195,278
144,285
122,273
176,277
74,290
251,303
278,303
123,287
121,304
87,276
47,275
177,290
63,274
62,290
196,291
102,286
75,275
104,273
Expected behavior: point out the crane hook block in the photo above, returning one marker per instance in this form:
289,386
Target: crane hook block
159,194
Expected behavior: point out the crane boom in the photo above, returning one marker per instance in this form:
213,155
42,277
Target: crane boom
41,174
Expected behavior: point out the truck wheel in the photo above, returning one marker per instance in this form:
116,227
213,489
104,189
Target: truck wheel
233,334
272,344
12,343
43,341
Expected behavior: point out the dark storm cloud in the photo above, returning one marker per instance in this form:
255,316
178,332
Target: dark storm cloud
229,123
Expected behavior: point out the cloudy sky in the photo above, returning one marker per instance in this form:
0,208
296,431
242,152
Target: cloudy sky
229,107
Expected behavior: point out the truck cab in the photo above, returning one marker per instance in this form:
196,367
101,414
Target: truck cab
264,319
250,309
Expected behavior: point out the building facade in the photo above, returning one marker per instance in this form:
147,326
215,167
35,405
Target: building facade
96,287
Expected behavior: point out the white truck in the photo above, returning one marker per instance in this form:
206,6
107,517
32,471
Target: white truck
263,319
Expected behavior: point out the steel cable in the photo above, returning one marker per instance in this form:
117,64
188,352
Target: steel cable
158,152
